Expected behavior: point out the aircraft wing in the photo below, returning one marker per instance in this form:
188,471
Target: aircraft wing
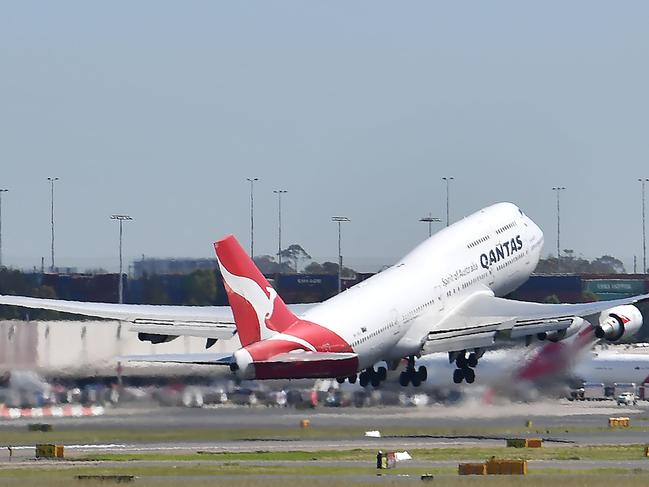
202,321
197,321
483,320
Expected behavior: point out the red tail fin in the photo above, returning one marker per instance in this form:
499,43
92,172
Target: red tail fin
258,311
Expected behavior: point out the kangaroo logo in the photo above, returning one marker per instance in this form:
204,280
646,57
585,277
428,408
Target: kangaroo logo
251,291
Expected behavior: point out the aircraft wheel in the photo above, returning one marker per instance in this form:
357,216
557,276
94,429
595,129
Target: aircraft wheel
364,379
469,376
473,360
422,373
382,373
461,361
340,380
376,380
458,376
416,380
404,378
352,379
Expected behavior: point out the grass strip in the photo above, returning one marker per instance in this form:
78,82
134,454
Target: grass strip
599,452
66,435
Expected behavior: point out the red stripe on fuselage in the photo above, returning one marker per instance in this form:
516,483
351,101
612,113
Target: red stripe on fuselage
322,339
307,370
267,349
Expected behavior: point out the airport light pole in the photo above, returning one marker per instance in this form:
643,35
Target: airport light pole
252,217
120,219
52,181
279,193
448,181
1,191
340,220
644,234
430,220
558,190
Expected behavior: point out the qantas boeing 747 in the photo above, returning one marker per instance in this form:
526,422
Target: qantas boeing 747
441,297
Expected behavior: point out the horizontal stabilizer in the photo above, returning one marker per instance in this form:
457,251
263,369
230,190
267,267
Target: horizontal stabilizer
182,358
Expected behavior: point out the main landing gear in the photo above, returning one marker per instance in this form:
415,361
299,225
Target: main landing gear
465,366
368,376
412,375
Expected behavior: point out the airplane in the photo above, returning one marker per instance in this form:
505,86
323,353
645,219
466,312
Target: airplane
499,372
443,296
546,368
610,367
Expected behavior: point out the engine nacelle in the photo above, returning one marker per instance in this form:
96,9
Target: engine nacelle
619,322
155,338
556,336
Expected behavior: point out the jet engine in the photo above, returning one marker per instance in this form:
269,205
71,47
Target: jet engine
556,336
155,338
619,322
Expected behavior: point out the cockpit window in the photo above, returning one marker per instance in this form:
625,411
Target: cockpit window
521,212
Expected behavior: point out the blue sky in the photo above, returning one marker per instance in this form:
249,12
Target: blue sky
162,109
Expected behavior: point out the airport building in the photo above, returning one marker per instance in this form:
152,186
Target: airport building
84,349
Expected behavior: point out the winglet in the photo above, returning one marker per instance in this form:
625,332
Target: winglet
258,311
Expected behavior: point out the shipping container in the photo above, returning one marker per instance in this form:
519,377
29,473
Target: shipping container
594,391
607,289
539,288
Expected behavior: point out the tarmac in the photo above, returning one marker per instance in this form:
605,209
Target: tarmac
547,418
552,420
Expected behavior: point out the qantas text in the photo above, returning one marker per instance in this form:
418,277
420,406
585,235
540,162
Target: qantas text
501,251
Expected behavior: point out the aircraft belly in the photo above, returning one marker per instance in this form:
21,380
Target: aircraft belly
321,369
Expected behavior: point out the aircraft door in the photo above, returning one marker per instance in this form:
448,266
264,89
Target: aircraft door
395,322
492,277
438,296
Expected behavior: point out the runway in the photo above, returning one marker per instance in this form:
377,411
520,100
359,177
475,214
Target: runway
222,444
558,422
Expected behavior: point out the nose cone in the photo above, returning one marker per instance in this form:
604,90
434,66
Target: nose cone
536,230
537,233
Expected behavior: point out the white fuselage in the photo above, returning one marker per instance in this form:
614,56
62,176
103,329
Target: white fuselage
385,317
499,369
611,367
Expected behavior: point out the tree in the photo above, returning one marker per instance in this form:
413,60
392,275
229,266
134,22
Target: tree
154,290
200,286
295,254
589,297
608,264
267,264
314,268
14,282
569,264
